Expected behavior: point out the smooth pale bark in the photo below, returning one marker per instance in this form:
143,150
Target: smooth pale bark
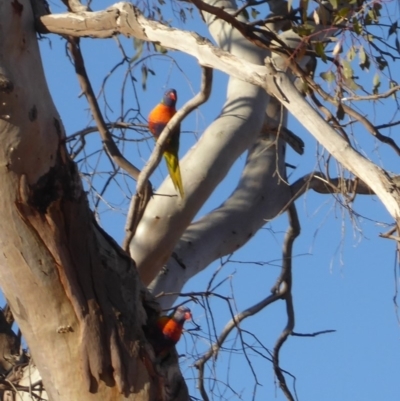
75,295
261,195
123,18
207,163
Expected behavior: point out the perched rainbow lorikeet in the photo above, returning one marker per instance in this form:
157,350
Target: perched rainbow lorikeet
168,330
158,119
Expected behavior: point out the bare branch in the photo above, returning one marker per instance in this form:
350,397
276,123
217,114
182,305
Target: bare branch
232,324
357,116
268,40
108,142
75,6
234,222
294,141
330,117
384,95
284,288
317,333
324,185
125,19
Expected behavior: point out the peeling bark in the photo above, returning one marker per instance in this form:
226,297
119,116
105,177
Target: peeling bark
74,293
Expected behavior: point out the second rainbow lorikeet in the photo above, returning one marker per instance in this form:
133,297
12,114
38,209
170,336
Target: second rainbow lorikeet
158,119
168,330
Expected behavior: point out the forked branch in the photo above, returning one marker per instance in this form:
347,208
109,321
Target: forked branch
284,288
281,290
86,86
325,185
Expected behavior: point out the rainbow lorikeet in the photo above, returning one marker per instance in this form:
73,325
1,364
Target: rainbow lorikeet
158,119
168,330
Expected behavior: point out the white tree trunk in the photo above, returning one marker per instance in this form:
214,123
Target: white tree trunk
261,195
207,163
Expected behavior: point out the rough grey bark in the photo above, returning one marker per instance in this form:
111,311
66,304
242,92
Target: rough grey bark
74,293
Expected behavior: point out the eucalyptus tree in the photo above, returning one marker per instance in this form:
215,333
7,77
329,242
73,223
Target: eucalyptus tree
82,301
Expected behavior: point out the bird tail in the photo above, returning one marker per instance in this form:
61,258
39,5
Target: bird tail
174,171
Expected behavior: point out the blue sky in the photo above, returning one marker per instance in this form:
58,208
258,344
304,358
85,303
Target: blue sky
344,274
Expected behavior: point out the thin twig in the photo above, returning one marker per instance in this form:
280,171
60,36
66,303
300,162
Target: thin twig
108,142
269,40
232,324
324,185
330,117
317,333
347,109
373,97
136,208
284,288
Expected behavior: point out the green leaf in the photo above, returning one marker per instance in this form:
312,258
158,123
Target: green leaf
364,59
334,4
377,7
304,8
138,46
254,13
392,29
144,77
382,63
337,49
376,83
347,70
305,30
342,13
397,44
357,26
369,38
320,51
352,84
340,112
327,76
351,54
245,14
182,15
392,84
160,49
372,15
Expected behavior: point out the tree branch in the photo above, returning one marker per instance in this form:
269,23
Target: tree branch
324,185
284,288
125,19
108,142
357,116
228,227
384,95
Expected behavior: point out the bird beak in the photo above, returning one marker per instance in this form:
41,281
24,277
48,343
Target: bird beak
172,96
188,315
